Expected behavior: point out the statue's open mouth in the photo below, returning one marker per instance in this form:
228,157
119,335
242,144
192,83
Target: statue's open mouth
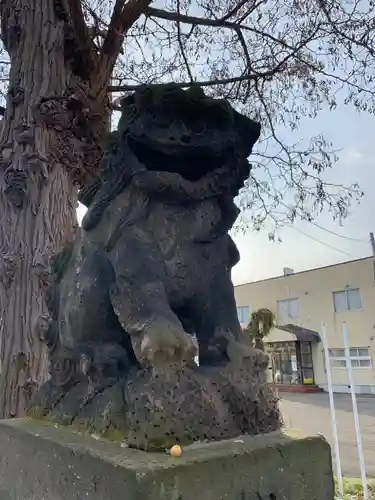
192,163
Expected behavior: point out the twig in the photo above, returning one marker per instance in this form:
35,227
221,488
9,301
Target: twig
181,45
123,17
234,10
205,83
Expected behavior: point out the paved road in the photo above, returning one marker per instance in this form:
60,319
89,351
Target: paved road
310,413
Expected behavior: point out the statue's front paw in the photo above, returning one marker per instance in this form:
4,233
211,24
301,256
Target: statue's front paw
239,353
165,342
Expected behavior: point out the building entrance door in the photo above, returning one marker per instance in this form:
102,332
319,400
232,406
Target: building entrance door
306,362
292,363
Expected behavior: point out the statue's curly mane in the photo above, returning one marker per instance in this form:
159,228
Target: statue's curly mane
111,181
152,98
114,173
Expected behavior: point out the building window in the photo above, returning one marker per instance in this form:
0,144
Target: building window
243,313
288,309
347,300
360,357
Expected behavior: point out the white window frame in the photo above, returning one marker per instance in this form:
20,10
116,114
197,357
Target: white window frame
338,360
249,311
289,300
345,291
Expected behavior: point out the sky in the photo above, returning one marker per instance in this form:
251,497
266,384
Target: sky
306,246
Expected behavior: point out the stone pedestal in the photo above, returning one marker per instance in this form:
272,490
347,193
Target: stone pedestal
39,461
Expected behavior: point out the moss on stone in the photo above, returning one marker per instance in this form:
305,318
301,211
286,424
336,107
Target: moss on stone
36,413
114,435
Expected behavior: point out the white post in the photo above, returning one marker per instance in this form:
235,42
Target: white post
333,412
355,411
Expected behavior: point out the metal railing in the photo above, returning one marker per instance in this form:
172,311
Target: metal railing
355,412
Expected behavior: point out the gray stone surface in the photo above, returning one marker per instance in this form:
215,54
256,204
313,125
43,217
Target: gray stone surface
39,461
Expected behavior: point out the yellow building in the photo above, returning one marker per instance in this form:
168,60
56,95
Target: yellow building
302,302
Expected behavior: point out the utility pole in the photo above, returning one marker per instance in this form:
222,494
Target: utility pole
372,241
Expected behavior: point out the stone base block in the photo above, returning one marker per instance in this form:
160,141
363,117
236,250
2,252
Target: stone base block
40,461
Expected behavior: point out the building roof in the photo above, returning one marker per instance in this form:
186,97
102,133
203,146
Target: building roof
301,333
306,271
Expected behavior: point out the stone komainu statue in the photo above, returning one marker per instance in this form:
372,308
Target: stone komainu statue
150,270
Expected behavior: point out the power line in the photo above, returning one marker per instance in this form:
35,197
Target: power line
323,243
337,234
328,230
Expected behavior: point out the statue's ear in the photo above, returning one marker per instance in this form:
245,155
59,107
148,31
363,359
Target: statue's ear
128,112
247,131
195,93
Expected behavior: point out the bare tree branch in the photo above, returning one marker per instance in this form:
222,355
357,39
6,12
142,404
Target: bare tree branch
78,24
239,6
342,33
123,17
279,62
113,32
181,44
78,20
183,85
257,76
235,9
193,20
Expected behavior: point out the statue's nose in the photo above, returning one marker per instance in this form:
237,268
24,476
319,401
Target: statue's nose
180,133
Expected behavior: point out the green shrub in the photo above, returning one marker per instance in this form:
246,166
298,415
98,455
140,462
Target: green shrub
353,489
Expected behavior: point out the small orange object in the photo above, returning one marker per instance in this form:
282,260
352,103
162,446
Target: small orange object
176,451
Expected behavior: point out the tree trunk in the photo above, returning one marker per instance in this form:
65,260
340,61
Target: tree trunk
259,344
42,158
28,236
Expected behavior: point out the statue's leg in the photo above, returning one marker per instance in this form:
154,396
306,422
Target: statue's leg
214,315
233,367
141,303
216,324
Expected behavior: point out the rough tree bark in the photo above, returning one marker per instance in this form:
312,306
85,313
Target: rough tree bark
57,118
46,145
